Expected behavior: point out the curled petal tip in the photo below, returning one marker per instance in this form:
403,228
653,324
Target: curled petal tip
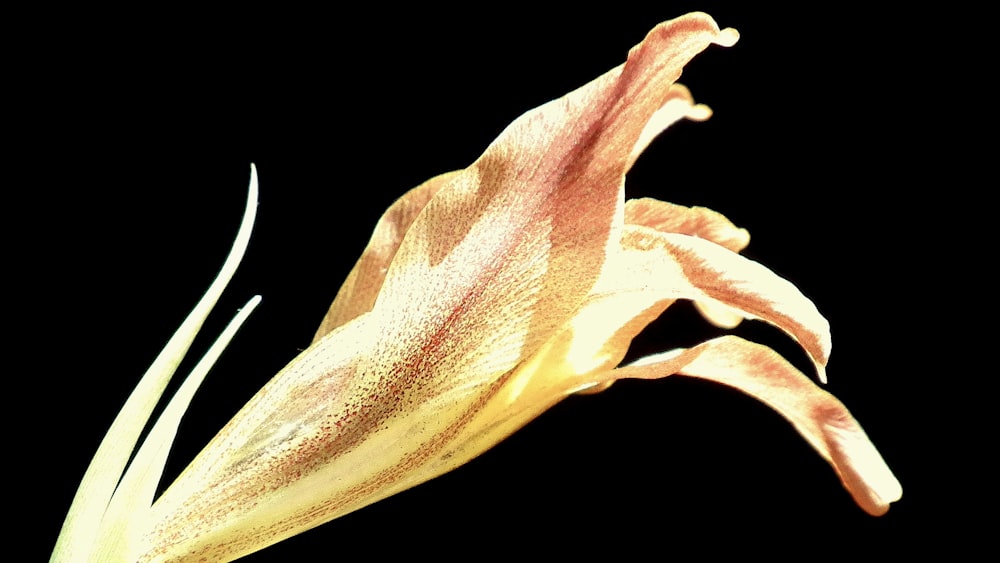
861,468
727,37
699,112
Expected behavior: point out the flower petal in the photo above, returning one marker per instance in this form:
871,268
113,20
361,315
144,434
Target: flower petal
122,523
817,415
685,267
79,534
695,221
357,295
700,222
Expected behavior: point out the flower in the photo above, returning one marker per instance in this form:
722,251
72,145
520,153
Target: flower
484,297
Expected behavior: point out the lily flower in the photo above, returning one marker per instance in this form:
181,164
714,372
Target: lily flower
487,295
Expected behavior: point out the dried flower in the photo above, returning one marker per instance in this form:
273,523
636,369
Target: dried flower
486,296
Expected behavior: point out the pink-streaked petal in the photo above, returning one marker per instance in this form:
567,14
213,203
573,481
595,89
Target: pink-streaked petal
817,415
695,221
675,266
357,295
699,222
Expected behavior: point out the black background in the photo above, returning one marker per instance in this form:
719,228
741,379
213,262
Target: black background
138,137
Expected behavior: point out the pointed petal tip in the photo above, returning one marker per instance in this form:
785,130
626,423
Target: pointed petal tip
821,373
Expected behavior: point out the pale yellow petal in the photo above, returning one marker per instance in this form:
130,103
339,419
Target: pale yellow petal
79,534
123,521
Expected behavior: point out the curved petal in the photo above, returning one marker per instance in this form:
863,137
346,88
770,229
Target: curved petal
357,295
699,222
695,221
817,415
678,266
80,531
